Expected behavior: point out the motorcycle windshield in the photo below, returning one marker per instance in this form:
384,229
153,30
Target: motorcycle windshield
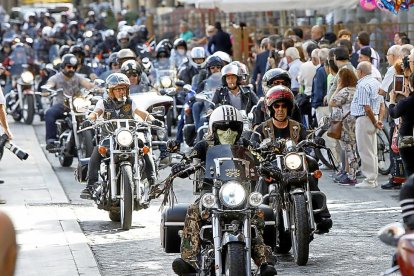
213,82
230,162
18,57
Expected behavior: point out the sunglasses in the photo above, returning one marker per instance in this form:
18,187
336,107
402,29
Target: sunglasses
69,67
278,82
132,75
226,127
281,105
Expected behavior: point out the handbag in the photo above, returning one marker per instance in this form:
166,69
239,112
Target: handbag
335,128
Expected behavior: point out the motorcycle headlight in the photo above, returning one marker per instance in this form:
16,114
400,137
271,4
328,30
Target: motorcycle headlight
166,81
208,200
124,138
27,77
232,194
255,199
293,161
81,105
161,133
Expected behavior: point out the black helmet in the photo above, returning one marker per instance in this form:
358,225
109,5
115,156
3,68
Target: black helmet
275,74
64,49
162,49
214,61
180,42
69,59
77,49
131,67
279,93
142,32
166,43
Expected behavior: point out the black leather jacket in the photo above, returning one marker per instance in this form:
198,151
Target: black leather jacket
248,100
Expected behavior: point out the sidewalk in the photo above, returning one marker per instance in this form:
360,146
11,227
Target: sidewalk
48,234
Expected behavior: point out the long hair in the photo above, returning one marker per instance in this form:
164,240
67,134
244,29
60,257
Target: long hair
346,78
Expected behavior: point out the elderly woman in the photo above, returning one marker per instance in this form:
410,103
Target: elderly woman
341,106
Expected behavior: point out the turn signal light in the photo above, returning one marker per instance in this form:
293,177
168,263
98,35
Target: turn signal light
188,111
145,150
102,150
205,214
317,174
260,213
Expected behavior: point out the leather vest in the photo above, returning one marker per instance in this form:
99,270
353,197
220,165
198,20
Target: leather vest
294,130
111,112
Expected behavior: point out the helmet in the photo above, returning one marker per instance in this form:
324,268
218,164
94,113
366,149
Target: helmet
180,42
46,31
230,69
224,117
162,49
243,70
77,49
131,66
275,74
122,35
224,56
69,59
278,93
165,43
113,58
125,54
64,49
133,30
91,13
116,79
73,24
146,63
142,32
214,61
197,53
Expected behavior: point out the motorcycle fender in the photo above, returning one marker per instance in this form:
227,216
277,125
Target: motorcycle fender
297,191
229,238
28,92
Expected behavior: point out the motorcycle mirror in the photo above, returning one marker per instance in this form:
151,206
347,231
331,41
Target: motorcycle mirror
391,233
158,111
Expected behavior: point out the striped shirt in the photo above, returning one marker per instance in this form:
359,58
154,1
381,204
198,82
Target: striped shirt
366,94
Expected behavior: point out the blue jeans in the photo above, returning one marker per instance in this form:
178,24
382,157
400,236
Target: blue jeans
52,114
180,127
197,109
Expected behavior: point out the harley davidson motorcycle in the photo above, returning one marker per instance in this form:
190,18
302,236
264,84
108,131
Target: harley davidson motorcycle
227,207
123,187
395,235
288,177
70,143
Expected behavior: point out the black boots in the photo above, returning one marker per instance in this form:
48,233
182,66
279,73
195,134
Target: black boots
181,267
267,270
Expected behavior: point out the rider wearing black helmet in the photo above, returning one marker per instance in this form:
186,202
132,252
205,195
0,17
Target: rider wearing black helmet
113,66
71,83
82,68
271,78
133,70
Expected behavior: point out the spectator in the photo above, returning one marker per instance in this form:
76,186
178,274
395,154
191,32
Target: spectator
341,103
365,55
397,38
319,86
317,33
353,57
294,63
365,107
363,41
286,43
203,42
298,32
185,32
344,34
393,57
8,246
221,41
260,66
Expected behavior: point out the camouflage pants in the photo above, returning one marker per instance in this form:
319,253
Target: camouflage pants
191,242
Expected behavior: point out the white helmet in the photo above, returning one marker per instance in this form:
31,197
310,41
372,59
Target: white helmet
122,35
230,69
225,117
224,56
46,31
198,53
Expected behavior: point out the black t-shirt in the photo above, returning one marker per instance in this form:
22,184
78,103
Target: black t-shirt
404,109
282,133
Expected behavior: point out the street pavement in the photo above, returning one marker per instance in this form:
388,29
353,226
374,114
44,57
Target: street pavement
350,248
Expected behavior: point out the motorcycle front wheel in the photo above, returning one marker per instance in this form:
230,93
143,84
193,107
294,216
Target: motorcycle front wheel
28,110
299,229
235,263
126,200
86,144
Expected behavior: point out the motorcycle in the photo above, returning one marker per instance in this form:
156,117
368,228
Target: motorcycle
70,144
123,189
288,177
227,210
395,235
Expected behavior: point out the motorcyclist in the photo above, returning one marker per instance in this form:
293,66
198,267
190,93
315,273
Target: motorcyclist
162,55
71,83
279,103
179,53
113,66
73,33
133,71
225,127
82,68
270,79
117,105
127,54
192,67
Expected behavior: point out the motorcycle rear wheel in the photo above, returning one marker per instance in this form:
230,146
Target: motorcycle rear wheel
235,263
126,200
28,111
300,230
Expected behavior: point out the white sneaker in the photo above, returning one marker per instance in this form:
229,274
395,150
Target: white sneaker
365,185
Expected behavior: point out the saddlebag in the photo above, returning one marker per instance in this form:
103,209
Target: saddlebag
269,234
82,170
172,221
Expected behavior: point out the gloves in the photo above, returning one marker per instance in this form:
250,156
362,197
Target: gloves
319,141
156,122
178,168
173,146
87,123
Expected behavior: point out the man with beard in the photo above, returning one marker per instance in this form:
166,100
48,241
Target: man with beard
71,84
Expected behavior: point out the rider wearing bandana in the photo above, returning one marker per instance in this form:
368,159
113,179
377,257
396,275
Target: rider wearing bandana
279,102
118,105
225,127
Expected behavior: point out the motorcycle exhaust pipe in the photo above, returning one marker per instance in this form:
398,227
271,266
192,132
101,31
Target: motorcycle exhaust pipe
20,153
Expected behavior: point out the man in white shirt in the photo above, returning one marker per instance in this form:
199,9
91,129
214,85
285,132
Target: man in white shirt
294,63
393,56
